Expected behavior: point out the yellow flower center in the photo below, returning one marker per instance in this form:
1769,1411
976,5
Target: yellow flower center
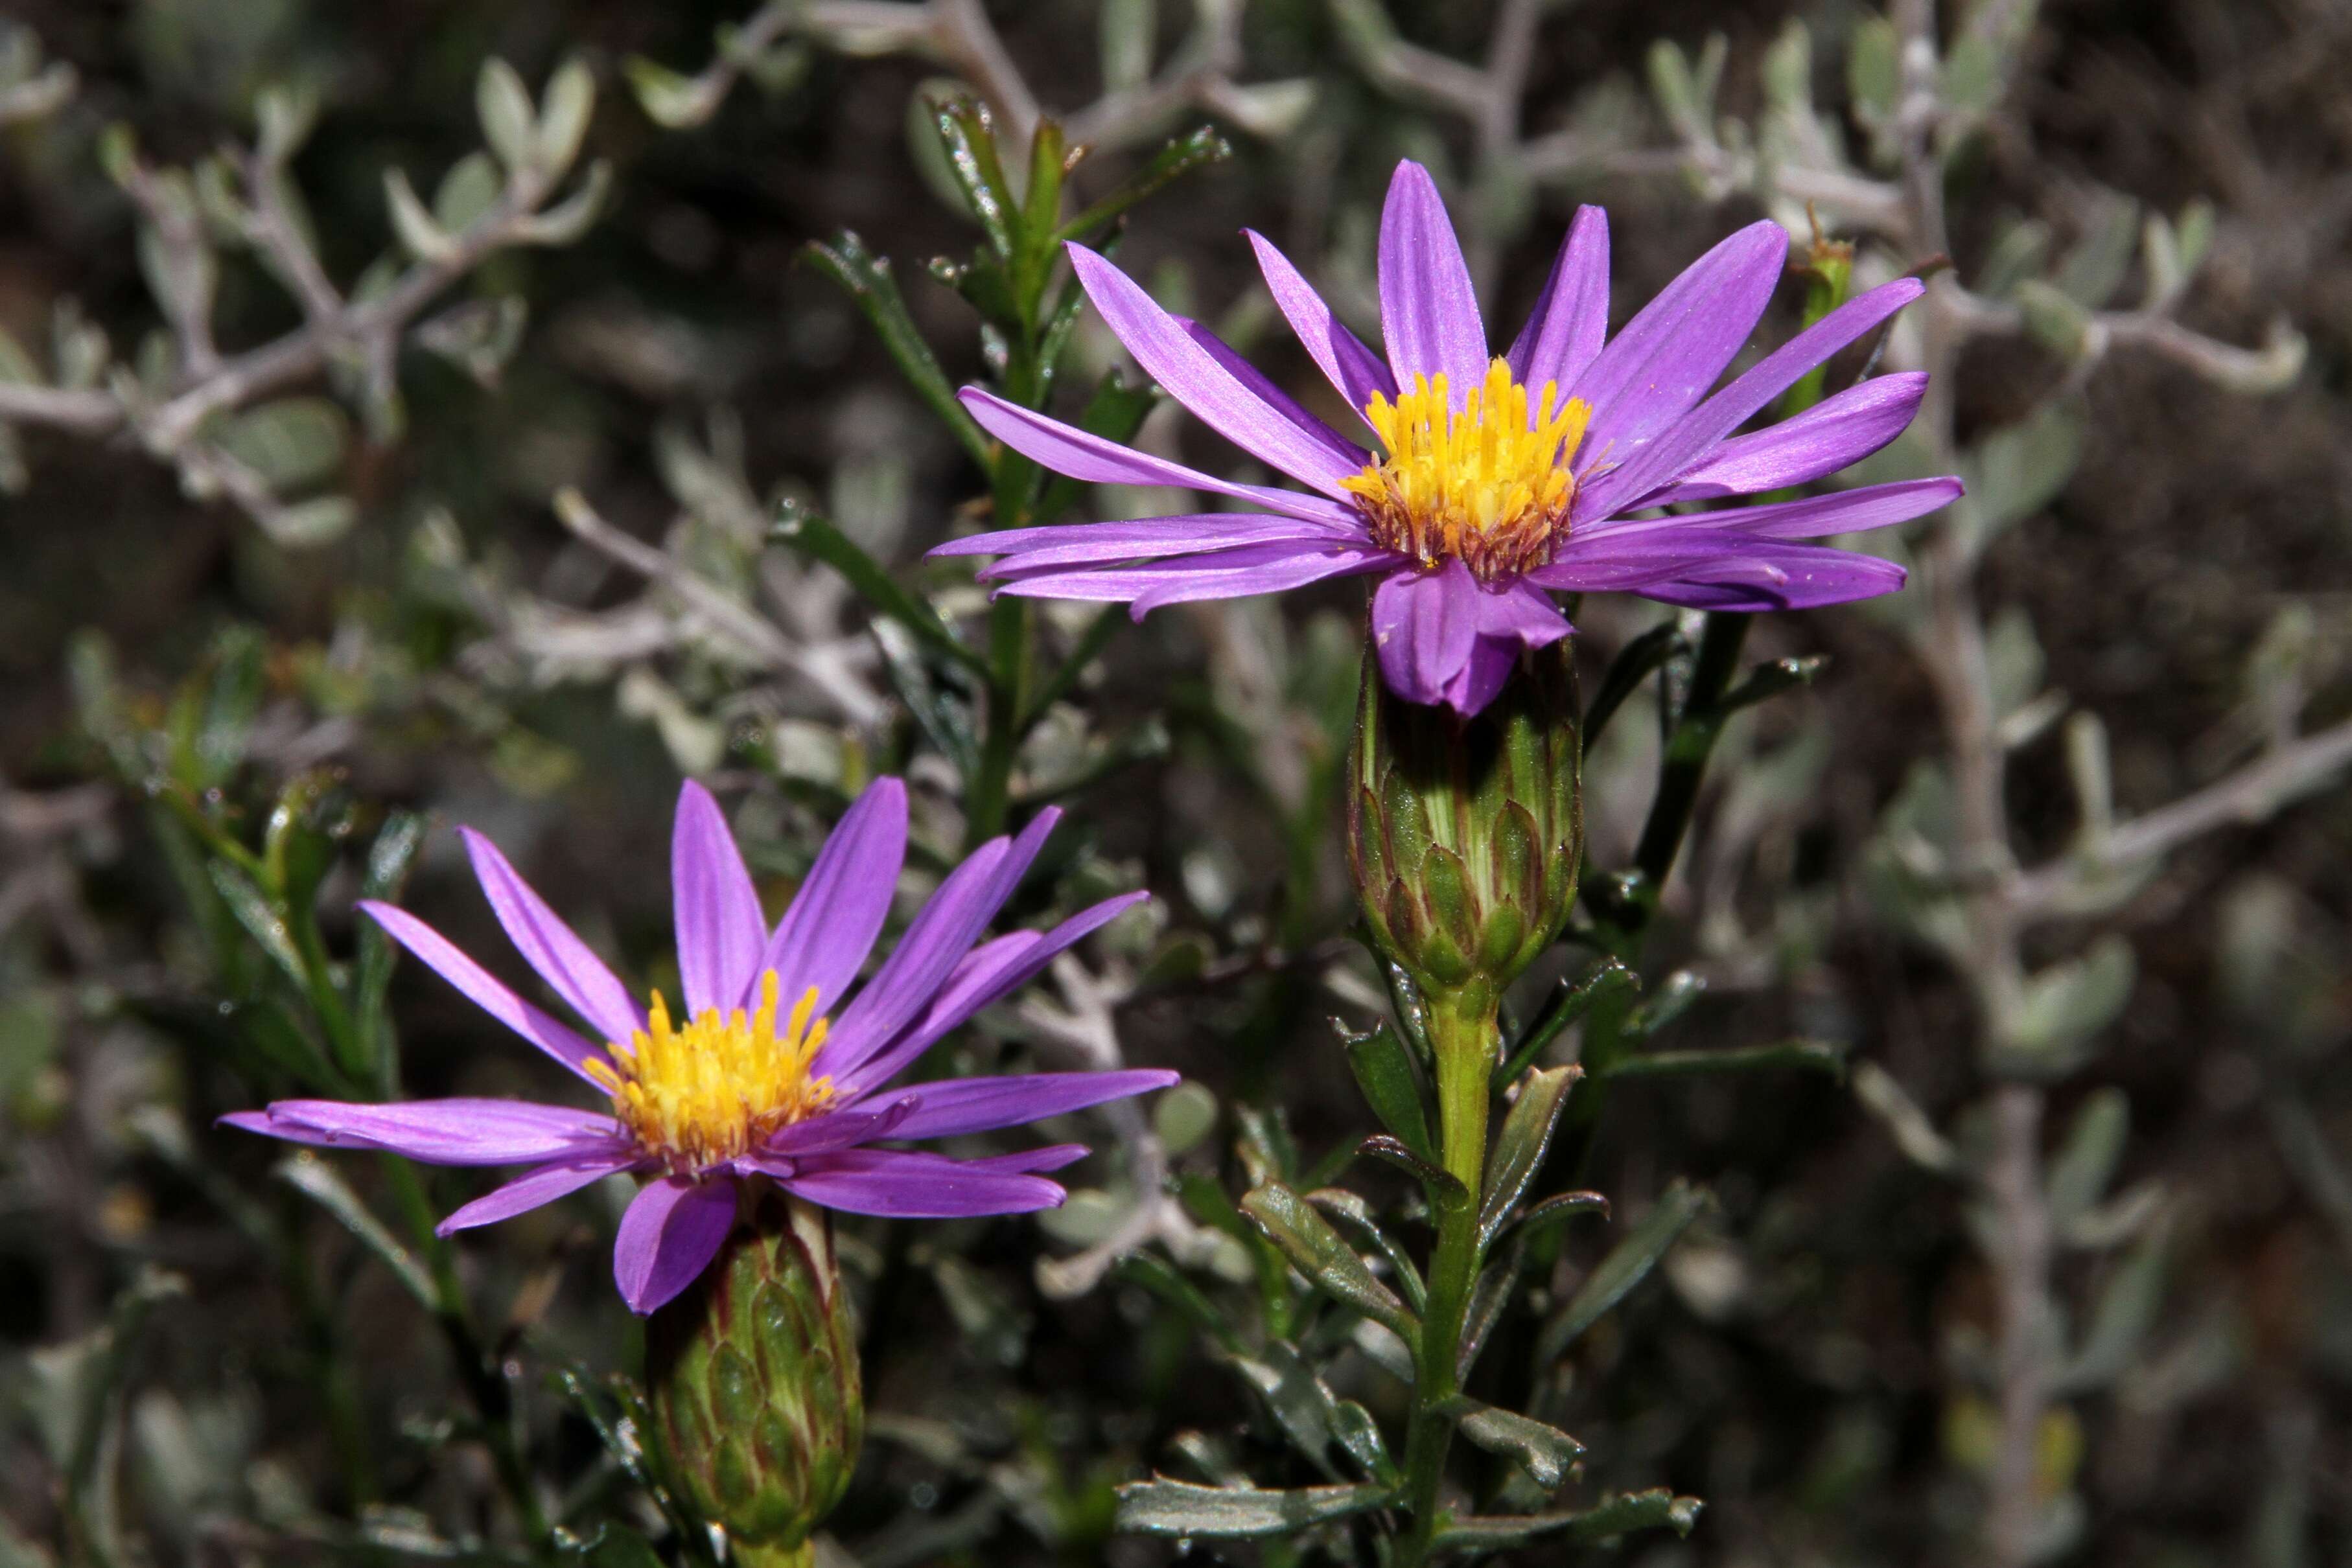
1489,485
708,1092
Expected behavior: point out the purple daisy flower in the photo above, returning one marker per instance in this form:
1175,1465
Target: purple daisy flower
1499,479
774,1071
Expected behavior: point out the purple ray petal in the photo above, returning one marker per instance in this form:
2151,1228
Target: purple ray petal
955,1105
1673,350
720,931
456,1131
441,955
1052,1157
672,1229
842,1129
1570,319
1066,449
1444,639
938,937
1313,424
910,1186
1600,560
551,947
1847,512
834,918
1225,574
1111,544
1429,312
1841,429
525,1193
1154,536
1353,368
987,976
1196,379
1691,438
1783,577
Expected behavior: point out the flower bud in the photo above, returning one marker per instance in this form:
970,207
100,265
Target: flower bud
753,1383
1464,835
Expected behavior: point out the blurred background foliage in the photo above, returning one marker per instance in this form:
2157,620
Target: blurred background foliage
505,551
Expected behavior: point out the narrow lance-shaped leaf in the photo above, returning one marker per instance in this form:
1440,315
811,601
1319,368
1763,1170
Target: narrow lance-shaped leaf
1185,152
1519,1147
1353,1211
1810,1055
1163,1507
1323,1257
1626,1265
310,1176
1606,981
1635,664
817,539
1391,1084
1545,1452
1620,1515
867,279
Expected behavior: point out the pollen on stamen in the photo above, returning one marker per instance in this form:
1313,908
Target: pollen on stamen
1488,484
697,1094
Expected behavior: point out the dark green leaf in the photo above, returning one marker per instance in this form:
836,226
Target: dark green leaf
867,279
1570,1001
1353,1427
310,1175
1555,1209
1185,152
259,918
1444,1187
1545,1452
1615,1516
1391,1086
2087,1163
1627,1265
1633,665
1358,1214
616,1547
1771,680
1813,1055
1667,1003
968,132
1161,1278
1163,1507
818,539
1323,1257
1519,1147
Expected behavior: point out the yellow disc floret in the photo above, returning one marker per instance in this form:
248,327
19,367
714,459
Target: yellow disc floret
711,1090
1488,484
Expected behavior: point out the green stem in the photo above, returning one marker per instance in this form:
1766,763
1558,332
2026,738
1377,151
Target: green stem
485,1384
1687,749
1462,1038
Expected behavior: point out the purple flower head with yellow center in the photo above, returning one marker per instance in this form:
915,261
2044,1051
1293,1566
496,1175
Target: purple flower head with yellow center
773,1070
1500,479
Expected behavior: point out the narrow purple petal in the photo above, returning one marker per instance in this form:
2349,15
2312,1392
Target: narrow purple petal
1145,537
1570,319
1783,577
1443,638
1839,430
437,953
551,947
1112,544
1052,1157
720,931
1846,512
525,1193
954,1105
1429,312
987,976
1225,574
1694,436
456,1131
842,1129
1277,397
1673,350
910,1186
1196,379
1651,549
672,1229
1065,449
1353,368
834,918
927,955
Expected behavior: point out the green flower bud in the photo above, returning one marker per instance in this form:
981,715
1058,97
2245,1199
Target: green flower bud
753,1383
1464,835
